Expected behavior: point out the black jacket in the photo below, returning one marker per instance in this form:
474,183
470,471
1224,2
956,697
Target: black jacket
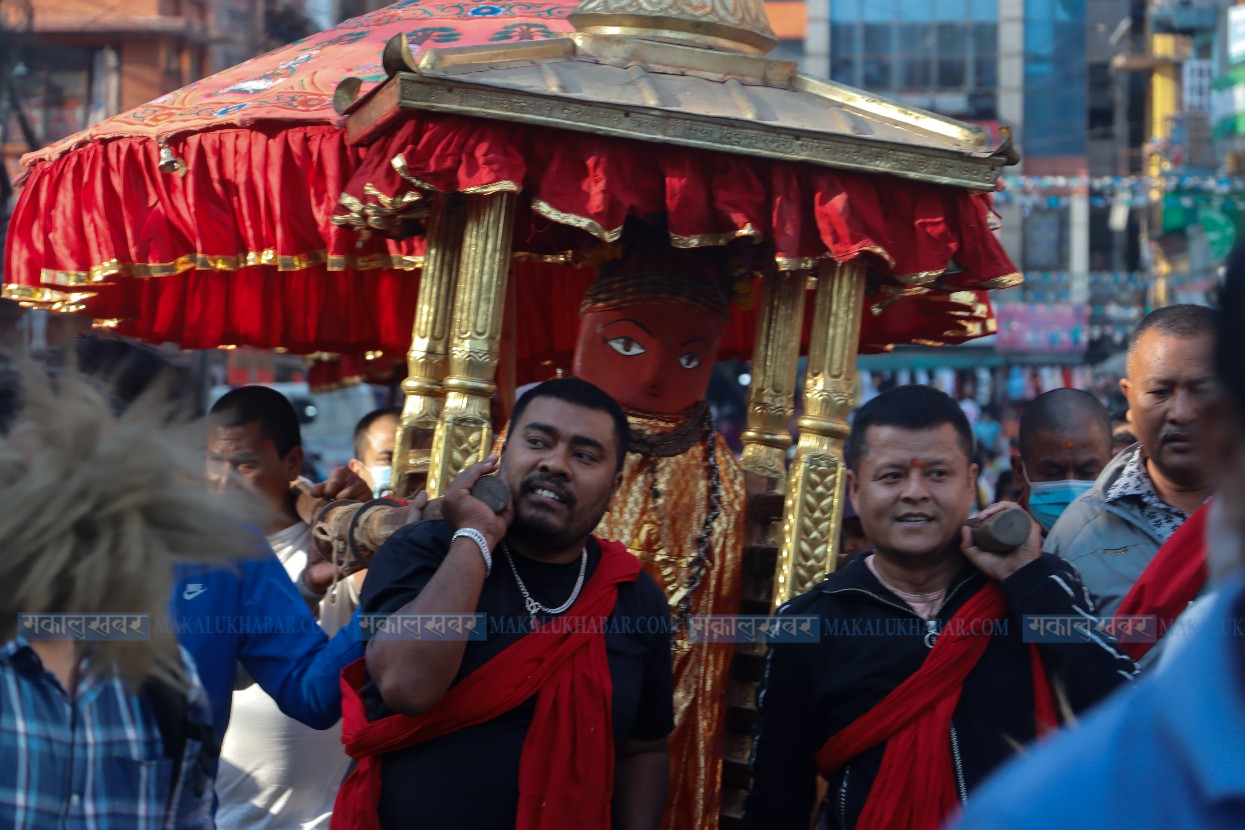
871,642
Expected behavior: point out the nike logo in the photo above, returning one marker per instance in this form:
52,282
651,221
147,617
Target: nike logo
193,590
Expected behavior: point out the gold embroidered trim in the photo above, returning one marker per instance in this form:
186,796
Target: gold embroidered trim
1005,281
398,163
46,298
877,251
490,189
807,263
100,274
892,294
919,278
564,258
582,222
713,240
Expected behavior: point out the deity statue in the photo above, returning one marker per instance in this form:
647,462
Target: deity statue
649,332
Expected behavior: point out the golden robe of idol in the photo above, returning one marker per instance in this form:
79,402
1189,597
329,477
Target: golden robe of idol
649,336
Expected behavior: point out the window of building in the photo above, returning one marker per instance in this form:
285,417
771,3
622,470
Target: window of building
1045,242
53,91
1101,101
915,46
1056,107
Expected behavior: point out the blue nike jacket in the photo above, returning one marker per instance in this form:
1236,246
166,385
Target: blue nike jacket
253,615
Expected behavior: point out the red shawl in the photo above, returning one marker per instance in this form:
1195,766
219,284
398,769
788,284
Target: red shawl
1171,581
566,770
915,788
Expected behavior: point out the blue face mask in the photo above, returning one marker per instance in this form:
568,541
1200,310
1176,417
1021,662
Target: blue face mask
382,477
1048,499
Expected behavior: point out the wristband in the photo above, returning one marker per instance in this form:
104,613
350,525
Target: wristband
477,537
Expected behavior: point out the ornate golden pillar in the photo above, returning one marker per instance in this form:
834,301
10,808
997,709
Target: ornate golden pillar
814,506
464,435
771,395
428,357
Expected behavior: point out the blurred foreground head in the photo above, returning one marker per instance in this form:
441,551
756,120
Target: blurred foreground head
98,502
1224,453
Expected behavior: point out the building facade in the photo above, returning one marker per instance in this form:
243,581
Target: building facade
74,63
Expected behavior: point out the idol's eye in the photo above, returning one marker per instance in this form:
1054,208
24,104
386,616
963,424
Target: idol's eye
626,346
690,360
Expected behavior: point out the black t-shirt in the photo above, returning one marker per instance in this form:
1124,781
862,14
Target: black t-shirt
470,779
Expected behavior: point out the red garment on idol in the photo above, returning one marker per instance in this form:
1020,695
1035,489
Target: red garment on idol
566,771
1171,581
915,788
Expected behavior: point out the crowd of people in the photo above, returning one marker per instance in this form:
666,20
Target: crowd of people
265,695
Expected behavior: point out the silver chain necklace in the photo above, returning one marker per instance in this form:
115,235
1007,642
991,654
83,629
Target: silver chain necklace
533,607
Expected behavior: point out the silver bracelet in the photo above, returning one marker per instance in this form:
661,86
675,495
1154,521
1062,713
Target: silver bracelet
477,537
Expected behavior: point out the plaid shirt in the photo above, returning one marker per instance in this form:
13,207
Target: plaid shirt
95,762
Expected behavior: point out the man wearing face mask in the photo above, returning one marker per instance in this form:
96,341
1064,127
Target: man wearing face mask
1112,531
1065,442
1184,727
374,437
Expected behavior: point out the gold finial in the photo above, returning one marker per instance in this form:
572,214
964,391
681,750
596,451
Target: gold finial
729,25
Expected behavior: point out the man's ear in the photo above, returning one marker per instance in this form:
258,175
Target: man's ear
294,463
1126,386
355,466
1019,481
852,487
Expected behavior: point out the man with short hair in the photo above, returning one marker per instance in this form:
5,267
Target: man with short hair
923,680
1167,752
275,772
374,437
1065,442
1121,435
1112,531
559,717
220,612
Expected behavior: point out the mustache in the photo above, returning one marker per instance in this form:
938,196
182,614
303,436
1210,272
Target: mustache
554,483
1169,435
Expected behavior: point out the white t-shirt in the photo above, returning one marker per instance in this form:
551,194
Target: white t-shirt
275,773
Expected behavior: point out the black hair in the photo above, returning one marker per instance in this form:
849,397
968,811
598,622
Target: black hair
123,370
914,407
127,368
1184,321
365,423
1230,330
1063,410
580,392
273,412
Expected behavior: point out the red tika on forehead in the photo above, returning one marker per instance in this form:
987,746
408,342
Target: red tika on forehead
914,463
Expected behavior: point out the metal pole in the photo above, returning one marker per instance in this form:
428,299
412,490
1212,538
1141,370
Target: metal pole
814,505
464,434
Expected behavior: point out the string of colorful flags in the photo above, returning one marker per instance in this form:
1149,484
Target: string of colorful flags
1226,192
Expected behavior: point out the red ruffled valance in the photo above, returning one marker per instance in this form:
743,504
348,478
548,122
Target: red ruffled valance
256,198
909,231
238,247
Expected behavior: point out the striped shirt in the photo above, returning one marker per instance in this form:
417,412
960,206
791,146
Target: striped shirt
93,762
